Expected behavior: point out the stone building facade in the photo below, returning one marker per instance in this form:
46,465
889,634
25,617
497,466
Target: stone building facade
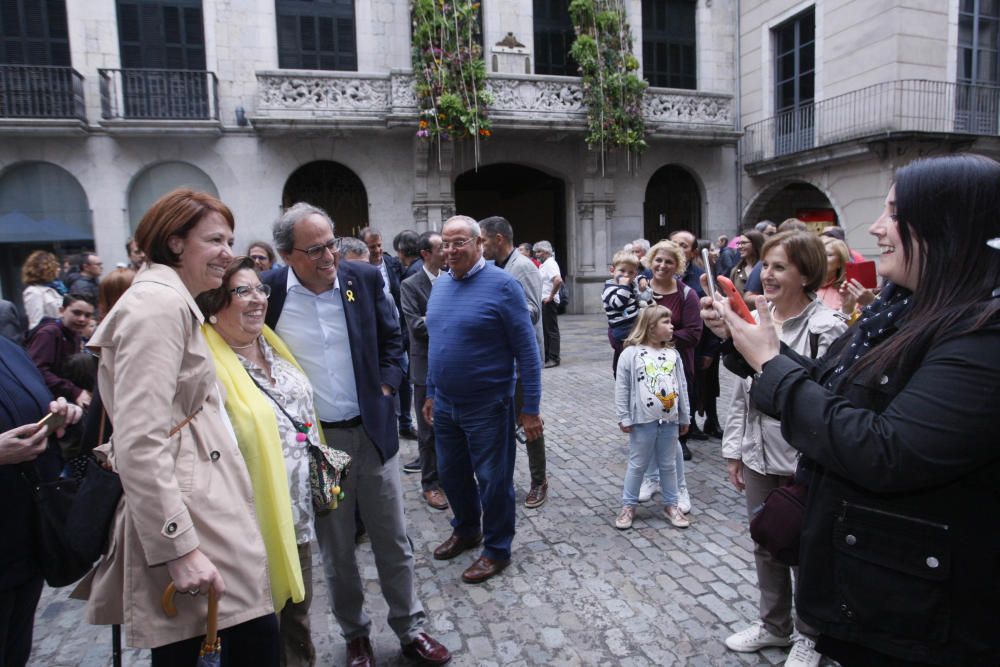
261,135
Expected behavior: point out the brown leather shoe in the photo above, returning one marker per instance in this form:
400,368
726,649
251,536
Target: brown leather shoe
536,496
455,545
484,568
359,653
426,650
436,499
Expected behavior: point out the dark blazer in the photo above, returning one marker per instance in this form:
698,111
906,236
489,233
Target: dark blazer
416,290
376,345
900,551
395,272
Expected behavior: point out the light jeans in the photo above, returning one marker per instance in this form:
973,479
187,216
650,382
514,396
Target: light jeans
653,444
652,471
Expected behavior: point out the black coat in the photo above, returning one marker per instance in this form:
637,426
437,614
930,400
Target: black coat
900,552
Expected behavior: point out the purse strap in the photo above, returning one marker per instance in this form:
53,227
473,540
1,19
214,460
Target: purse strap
299,426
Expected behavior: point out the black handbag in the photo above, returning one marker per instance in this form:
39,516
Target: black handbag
59,563
93,510
777,524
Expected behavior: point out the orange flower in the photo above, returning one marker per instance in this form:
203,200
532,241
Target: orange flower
423,124
484,132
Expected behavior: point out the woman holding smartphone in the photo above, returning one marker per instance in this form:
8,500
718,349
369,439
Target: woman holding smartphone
898,558
187,516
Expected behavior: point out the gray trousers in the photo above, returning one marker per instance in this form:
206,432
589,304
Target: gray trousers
375,490
774,579
297,649
425,443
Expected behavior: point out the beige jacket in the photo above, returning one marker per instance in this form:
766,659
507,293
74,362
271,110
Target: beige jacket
181,492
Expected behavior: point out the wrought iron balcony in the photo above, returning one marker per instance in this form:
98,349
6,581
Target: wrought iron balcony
288,98
33,91
907,105
159,94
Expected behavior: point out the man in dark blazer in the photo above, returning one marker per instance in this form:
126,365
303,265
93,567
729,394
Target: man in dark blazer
415,291
344,332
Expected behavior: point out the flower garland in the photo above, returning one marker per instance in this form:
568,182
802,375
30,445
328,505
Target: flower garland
450,71
611,89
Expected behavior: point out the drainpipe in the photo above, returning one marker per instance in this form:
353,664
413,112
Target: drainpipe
738,163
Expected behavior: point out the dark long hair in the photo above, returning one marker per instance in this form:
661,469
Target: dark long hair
951,206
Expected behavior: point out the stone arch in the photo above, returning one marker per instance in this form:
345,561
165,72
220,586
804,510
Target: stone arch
786,198
674,200
335,188
157,180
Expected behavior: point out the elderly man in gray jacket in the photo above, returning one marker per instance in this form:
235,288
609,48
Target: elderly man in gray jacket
498,245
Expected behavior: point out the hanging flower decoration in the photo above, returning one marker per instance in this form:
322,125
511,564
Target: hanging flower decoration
611,88
450,71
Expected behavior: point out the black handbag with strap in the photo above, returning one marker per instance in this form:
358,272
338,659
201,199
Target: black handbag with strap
58,561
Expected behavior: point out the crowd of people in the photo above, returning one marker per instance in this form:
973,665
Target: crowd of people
235,386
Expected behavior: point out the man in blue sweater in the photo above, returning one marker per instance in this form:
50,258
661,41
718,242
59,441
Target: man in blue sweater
478,326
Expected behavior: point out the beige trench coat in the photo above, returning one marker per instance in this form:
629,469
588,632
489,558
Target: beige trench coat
181,492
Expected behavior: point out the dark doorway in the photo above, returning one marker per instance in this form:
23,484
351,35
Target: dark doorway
673,202
794,200
531,200
335,189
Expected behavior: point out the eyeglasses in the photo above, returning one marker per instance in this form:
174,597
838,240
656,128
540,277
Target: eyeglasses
317,252
457,245
259,258
244,292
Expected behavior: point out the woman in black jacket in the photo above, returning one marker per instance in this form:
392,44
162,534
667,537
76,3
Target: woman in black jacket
900,555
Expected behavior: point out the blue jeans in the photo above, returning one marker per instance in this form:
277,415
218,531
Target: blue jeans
476,443
652,443
653,469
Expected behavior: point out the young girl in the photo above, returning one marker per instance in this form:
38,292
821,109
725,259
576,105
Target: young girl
651,401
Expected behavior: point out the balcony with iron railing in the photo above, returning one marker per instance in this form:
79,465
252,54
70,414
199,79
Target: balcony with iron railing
878,111
39,92
294,98
154,96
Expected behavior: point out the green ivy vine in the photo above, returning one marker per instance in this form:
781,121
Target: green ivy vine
450,71
611,88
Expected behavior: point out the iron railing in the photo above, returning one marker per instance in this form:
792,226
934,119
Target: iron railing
159,94
908,105
35,91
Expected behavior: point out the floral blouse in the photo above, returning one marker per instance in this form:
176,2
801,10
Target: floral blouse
293,391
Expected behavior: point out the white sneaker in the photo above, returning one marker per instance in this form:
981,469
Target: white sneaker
648,489
684,500
803,653
755,638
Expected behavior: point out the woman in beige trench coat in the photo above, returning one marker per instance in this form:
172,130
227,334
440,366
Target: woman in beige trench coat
187,513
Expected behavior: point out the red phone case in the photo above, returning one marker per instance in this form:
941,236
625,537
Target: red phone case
736,301
863,272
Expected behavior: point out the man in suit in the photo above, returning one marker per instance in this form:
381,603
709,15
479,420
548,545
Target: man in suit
344,332
415,291
392,275
498,245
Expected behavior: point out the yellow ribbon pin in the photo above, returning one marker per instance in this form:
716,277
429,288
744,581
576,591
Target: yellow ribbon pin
350,295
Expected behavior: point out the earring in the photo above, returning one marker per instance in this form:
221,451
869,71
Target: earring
212,319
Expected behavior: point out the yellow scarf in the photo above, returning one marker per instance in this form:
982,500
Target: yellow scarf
256,429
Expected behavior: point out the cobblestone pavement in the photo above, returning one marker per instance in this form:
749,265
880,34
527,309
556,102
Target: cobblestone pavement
579,592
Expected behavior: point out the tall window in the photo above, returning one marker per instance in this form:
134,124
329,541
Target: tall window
668,43
34,32
554,35
161,34
316,35
978,65
795,80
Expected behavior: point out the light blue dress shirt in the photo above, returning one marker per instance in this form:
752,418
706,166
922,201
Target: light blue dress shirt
314,327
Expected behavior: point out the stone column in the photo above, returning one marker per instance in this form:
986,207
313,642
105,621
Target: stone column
589,242
433,195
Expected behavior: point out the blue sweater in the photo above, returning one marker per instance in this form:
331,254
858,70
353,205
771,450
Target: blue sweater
476,328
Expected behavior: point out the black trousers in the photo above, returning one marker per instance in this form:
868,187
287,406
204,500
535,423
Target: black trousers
254,642
550,331
17,621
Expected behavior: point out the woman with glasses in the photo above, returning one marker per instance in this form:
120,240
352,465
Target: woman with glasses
748,246
270,402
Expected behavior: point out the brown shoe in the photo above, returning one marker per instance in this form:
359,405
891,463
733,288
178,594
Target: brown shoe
484,568
426,650
536,496
435,498
455,545
359,653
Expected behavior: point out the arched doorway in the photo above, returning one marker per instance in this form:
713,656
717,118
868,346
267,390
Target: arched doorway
335,189
153,182
796,199
42,207
673,202
534,202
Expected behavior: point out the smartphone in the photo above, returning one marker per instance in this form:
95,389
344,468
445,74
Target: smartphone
53,421
736,301
708,273
863,272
